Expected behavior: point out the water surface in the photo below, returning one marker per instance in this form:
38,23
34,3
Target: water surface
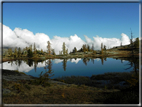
69,67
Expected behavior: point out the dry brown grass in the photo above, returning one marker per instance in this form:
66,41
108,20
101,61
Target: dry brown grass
54,94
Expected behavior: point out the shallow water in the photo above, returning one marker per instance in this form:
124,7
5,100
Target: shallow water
69,67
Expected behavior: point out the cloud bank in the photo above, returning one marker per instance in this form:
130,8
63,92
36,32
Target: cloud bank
23,38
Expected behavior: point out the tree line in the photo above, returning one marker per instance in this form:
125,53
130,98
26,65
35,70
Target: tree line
29,52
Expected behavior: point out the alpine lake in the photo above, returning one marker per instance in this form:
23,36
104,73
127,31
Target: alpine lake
113,80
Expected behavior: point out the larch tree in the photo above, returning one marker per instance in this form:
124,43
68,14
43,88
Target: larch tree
136,43
10,51
30,53
88,47
53,52
74,50
84,48
92,47
31,48
67,52
41,51
101,45
19,52
104,47
64,48
49,48
34,49
15,53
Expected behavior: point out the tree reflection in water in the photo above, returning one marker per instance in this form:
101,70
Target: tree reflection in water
48,65
134,63
19,62
85,61
30,62
64,64
102,60
35,64
11,63
92,60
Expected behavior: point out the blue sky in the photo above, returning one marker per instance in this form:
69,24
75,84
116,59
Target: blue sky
107,20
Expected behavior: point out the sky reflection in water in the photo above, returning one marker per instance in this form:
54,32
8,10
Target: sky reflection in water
78,67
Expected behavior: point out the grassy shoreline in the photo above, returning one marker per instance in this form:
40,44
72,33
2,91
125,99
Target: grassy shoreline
68,56
31,92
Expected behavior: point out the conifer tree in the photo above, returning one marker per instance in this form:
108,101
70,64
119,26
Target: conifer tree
64,48
53,52
19,52
92,47
10,52
49,48
15,53
34,49
104,47
74,50
67,52
31,48
88,48
41,51
136,43
30,53
84,48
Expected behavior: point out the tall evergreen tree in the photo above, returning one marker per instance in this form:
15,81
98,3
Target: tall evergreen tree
19,52
74,50
101,45
41,51
34,49
136,43
67,52
10,52
30,53
49,48
104,47
88,48
92,47
64,48
31,48
84,48
15,53
53,52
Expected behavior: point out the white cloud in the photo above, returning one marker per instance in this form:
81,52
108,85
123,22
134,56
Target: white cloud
23,37
76,61
125,39
56,61
23,66
97,59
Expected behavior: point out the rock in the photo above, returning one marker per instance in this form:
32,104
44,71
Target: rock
10,75
5,91
15,77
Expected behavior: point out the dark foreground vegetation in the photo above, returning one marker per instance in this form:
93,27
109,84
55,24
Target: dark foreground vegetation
72,90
